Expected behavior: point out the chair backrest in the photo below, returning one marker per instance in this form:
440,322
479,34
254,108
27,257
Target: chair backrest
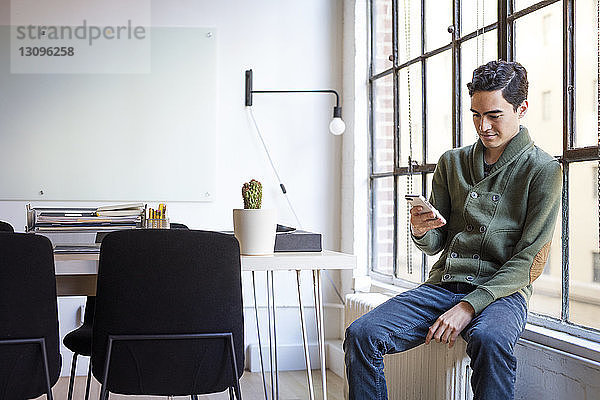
176,225
6,227
168,282
27,310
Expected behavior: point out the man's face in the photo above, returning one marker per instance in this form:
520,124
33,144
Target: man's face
495,119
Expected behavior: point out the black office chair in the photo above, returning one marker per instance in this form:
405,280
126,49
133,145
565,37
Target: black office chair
176,225
6,227
168,314
79,341
29,354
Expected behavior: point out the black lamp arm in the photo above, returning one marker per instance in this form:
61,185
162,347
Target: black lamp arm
337,111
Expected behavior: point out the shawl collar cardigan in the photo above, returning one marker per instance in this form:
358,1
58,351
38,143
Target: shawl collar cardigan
499,227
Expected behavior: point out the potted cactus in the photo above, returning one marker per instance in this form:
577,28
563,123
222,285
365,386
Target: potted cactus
253,226
252,194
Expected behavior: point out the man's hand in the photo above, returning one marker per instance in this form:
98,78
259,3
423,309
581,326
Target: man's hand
421,222
450,324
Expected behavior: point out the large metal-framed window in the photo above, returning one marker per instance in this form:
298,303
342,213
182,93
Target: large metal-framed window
422,54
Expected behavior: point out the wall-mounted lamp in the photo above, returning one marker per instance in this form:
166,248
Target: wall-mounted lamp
336,126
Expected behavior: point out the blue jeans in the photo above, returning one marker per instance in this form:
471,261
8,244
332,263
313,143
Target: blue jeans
402,323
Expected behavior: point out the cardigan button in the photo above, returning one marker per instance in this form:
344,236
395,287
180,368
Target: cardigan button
482,229
469,228
446,277
495,198
476,256
469,278
474,195
453,255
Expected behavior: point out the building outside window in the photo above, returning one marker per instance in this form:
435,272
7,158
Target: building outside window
546,105
596,271
423,53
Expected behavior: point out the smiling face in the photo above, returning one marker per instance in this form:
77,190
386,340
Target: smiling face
496,121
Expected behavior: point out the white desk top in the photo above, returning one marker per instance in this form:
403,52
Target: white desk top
87,264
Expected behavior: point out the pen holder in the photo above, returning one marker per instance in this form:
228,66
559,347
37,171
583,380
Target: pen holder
157,223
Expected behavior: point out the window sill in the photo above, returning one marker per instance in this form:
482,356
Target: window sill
563,342
391,289
551,338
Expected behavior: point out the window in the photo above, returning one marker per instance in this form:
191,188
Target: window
546,105
547,28
423,53
596,277
595,182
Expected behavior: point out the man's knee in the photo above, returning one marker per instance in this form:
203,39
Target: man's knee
361,336
489,340
357,332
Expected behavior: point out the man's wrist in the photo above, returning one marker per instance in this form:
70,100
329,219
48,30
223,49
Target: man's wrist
417,235
467,307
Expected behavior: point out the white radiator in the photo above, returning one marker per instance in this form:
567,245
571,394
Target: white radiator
431,372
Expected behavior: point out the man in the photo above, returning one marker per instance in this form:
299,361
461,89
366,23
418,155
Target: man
500,197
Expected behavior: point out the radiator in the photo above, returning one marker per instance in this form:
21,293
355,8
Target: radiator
431,372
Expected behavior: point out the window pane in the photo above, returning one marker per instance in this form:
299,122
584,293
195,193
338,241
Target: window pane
541,55
409,30
383,124
586,78
438,17
439,105
522,4
477,14
546,298
471,58
411,126
383,225
409,256
584,286
382,35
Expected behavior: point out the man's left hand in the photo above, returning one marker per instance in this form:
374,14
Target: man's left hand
450,324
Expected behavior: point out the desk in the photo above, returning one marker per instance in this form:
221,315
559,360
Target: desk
76,276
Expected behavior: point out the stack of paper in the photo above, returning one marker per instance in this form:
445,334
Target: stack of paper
127,216
120,210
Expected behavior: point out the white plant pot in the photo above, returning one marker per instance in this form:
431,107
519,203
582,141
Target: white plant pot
255,230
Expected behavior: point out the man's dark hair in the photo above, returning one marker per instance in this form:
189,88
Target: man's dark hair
510,77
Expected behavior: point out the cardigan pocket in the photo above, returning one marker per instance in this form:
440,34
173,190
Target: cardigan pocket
500,245
486,270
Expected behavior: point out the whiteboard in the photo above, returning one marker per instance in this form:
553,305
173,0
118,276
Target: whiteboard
113,137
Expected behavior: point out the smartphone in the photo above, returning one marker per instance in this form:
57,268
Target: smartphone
418,200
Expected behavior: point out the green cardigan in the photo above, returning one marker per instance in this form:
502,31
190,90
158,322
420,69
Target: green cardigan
499,227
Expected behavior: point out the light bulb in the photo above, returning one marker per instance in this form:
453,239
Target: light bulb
337,126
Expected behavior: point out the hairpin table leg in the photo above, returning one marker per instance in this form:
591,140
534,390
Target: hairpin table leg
311,389
271,357
274,337
262,366
320,327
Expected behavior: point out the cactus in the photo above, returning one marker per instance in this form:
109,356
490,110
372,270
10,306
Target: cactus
252,194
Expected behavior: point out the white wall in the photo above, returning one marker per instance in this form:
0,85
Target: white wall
289,45
355,153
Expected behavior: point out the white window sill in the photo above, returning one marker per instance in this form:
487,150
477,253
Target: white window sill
563,342
391,289
553,339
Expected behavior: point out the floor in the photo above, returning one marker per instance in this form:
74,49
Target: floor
292,386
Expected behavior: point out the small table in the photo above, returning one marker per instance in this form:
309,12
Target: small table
76,276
